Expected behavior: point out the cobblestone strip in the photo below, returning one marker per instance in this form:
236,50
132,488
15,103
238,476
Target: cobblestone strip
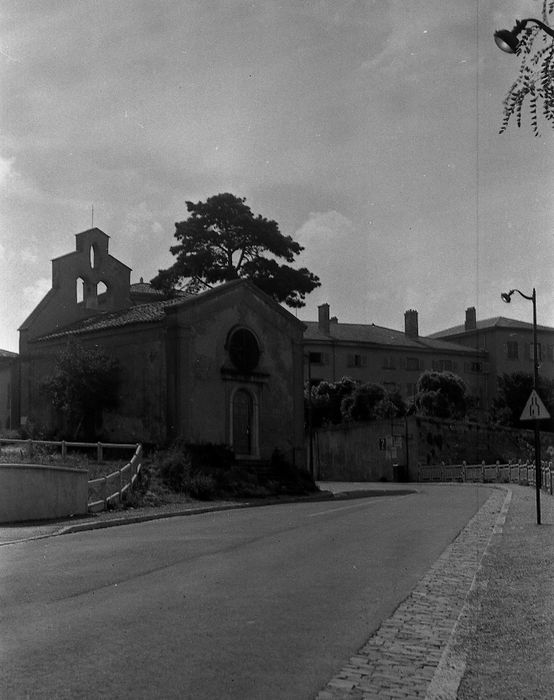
402,658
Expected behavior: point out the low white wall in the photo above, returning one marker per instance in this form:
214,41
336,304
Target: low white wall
38,492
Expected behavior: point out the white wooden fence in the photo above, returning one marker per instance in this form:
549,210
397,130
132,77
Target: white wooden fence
500,473
104,491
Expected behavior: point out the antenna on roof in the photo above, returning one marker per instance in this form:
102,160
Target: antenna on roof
92,217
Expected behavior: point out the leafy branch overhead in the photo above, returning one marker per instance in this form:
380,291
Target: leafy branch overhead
223,240
535,82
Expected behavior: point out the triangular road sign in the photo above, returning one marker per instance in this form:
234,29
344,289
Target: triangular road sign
534,408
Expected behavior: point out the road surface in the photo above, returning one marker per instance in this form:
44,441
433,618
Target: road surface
259,603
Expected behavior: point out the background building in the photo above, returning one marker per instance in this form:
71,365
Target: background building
508,344
394,359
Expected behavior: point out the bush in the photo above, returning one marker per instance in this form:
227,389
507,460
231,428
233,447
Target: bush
205,472
203,487
174,466
289,478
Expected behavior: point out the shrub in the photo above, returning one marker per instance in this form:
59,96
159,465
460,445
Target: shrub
206,472
174,466
290,479
200,486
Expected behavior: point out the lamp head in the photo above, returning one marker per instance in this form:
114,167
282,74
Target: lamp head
507,40
507,296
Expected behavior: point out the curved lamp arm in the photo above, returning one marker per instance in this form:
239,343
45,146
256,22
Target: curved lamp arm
507,296
507,39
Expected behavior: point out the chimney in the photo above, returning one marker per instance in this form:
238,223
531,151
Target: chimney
410,323
471,319
323,318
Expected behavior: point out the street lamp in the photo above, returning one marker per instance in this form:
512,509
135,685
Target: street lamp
507,298
310,417
507,39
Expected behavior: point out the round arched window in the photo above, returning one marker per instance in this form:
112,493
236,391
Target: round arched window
244,350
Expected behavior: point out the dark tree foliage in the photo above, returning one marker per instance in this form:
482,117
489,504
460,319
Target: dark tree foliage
372,402
326,400
535,82
348,400
441,395
223,240
85,381
513,392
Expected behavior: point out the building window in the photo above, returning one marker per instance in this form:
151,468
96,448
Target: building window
443,366
244,350
411,389
512,350
318,358
80,290
531,352
475,367
389,363
413,364
101,289
357,361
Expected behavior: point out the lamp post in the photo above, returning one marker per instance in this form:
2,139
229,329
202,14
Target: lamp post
507,298
308,357
507,39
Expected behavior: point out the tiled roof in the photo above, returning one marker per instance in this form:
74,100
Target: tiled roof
377,335
141,313
496,322
145,288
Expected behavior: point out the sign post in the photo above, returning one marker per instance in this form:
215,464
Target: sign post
535,410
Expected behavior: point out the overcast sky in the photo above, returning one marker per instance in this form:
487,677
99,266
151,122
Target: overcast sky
367,129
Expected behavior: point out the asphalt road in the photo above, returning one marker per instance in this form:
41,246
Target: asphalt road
260,603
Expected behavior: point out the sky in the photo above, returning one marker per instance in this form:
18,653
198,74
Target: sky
368,129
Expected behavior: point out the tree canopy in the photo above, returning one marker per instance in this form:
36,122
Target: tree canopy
441,395
85,381
348,400
535,81
223,240
513,392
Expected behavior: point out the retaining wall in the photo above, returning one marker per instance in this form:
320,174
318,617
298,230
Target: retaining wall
394,450
39,492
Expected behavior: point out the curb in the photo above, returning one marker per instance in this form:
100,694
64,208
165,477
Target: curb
116,522
324,496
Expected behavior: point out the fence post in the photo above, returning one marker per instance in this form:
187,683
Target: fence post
105,492
64,451
30,447
99,453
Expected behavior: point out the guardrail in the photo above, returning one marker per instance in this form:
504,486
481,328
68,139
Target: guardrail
103,491
106,490
488,473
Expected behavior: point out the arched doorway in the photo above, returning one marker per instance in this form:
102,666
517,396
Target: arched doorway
243,415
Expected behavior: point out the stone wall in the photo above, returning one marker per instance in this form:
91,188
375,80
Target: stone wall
392,450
